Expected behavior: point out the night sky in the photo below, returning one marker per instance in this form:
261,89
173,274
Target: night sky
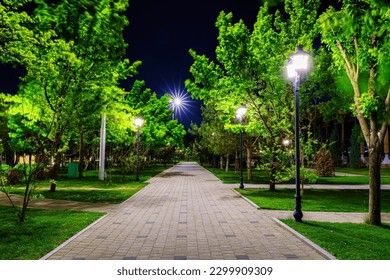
161,33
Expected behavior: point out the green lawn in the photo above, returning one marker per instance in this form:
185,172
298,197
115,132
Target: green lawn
316,199
385,172
115,189
43,231
347,241
261,177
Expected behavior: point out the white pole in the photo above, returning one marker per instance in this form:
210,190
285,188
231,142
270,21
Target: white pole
102,153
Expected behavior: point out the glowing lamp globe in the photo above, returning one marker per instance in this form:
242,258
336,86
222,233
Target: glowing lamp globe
299,63
241,112
138,122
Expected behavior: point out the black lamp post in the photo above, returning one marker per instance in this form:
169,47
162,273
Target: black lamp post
138,123
297,67
240,113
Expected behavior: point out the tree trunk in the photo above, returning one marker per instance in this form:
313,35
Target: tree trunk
374,210
236,163
81,153
272,179
249,162
221,162
227,163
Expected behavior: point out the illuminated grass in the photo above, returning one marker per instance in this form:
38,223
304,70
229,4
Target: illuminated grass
115,189
333,200
347,241
43,231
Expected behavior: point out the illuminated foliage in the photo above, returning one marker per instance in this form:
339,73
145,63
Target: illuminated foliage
249,70
358,38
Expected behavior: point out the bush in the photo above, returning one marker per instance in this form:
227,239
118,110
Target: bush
4,167
324,164
13,176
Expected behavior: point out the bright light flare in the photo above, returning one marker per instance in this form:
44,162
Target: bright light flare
179,102
139,122
298,64
240,113
286,142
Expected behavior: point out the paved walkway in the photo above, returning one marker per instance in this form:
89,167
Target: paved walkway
187,213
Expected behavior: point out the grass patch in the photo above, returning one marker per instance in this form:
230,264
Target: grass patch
347,241
262,177
115,189
259,176
385,172
325,200
43,231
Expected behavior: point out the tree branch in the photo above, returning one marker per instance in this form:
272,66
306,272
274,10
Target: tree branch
357,58
350,68
386,113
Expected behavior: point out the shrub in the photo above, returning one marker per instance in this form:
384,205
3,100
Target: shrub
13,176
4,167
324,163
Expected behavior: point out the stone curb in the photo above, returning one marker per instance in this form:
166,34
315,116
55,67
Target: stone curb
247,200
48,255
310,243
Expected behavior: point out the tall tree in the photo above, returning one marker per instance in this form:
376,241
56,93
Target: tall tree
358,36
249,70
82,62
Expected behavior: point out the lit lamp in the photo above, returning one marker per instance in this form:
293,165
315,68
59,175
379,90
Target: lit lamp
176,103
240,113
138,123
286,143
298,66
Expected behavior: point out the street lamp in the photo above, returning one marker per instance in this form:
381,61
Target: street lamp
298,66
102,150
138,123
240,113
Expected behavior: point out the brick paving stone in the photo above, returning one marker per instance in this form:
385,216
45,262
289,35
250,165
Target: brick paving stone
186,213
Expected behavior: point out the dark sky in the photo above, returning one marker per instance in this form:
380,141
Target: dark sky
161,33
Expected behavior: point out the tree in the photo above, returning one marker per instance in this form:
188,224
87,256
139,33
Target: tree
16,38
83,62
212,136
160,132
249,70
358,36
73,55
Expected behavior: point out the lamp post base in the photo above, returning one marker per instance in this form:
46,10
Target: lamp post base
298,215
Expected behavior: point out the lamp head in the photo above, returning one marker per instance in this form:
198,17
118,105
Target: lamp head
286,142
139,122
240,113
299,63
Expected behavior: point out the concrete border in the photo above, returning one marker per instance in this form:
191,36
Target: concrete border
320,250
52,252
